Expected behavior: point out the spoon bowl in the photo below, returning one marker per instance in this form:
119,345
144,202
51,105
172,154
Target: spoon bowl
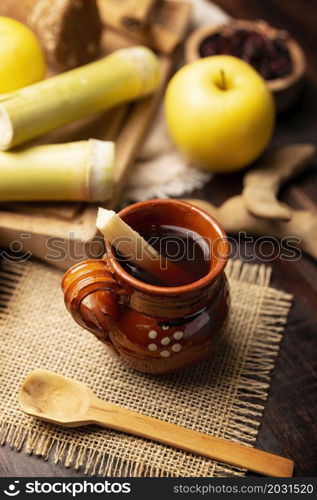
54,398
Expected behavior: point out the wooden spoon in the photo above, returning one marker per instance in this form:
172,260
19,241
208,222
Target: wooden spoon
63,401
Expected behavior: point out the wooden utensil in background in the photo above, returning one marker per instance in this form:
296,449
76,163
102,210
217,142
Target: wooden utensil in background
66,402
128,15
161,34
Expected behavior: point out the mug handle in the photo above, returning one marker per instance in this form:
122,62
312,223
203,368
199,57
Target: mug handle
84,279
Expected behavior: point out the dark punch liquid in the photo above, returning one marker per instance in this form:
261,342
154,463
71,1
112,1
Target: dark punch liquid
184,247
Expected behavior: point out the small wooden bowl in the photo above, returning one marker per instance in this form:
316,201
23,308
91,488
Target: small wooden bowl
285,90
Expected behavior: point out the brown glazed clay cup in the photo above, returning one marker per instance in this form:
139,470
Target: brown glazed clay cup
151,328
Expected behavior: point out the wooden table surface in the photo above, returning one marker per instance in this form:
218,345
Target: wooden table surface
289,422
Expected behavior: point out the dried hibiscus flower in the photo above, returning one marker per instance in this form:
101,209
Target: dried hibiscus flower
264,47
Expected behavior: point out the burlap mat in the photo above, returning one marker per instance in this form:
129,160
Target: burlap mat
223,396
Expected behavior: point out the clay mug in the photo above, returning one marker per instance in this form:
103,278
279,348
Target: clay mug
154,329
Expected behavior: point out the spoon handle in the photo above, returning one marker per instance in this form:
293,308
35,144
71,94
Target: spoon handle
121,419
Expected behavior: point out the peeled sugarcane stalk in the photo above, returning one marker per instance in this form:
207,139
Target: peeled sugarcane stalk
123,76
137,250
68,30
76,171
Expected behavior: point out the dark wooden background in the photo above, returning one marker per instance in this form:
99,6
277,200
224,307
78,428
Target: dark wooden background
289,421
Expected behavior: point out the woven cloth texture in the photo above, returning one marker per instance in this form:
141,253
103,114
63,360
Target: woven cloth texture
222,396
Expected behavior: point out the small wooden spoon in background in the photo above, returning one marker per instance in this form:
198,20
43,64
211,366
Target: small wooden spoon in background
63,401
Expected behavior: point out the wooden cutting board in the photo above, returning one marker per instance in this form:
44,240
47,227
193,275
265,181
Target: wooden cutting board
64,233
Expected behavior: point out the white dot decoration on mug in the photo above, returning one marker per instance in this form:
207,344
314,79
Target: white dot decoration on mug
165,340
176,347
152,334
165,354
152,347
178,335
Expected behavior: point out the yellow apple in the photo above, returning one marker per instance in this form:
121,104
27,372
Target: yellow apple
219,113
21,58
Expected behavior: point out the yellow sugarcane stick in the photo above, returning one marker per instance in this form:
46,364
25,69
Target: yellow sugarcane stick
123,76
130,244
80,171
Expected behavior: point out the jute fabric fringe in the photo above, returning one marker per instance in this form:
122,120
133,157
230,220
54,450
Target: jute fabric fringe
223,396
